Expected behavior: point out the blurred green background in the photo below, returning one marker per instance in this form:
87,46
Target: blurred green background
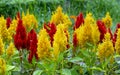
43,9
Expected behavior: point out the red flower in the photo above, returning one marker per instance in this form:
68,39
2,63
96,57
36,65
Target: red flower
20,36
79,21
51,29
32,45
8,22
75,41
115,34
102,29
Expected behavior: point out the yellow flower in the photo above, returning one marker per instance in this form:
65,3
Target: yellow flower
60,41
2,66
59,17
105,49
95,34
44,46
5,35
12,28
10,50
29,21
117,44
88,32
1,47
107,20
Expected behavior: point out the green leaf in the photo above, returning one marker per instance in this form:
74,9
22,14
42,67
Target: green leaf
9,67
66,72
37,72
97,68
75,59
117,71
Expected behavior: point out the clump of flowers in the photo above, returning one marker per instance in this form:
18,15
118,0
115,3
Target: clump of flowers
32,45
60,41
5,35
105,49
43,45
59,17
20,37
29,21
86,33
51,29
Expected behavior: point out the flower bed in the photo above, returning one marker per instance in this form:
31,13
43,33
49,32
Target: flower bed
89,48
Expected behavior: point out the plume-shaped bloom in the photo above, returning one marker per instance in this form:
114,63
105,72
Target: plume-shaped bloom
115,33
117,43
51,29
1,46
60,41
86,33
5,35
29,21
105,49
20,37
10,50
12,28
59,17
79,21
107,20
32,45
2,67
43,45
102,29
8,22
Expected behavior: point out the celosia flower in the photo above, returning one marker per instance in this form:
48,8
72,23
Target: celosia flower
105,49
5,35
43,45
115,34
107,20
59,17
95,34
12,27
86,33
2,66
51,29
1,47
79,21
60,41
10,50
75,40
32,45
20,36
8,22
29,21
117,43
102,29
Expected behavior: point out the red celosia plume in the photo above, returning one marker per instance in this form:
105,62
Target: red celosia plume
79,21
8,22
32,45
20,36
102,29
115,33
51,29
